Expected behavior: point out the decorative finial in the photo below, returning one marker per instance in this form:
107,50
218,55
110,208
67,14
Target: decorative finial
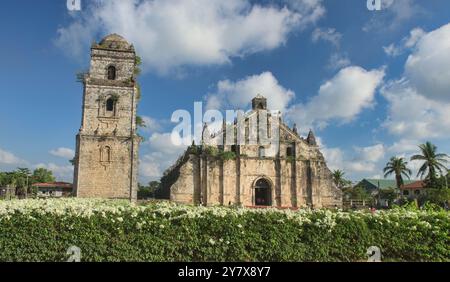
295,129
311,139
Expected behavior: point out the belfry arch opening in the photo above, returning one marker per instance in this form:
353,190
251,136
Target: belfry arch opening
110,105
263,193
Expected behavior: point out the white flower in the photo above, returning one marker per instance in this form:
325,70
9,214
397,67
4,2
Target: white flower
211,241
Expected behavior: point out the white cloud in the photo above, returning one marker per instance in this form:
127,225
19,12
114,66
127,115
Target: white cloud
365,159
414,166
414,36
238,94
63,153
371,153
9,158
163,152
392,50
368,162
414,116
403,146
419,102
327,34
406,43
334,158
338,61
428,67
149,168
342,97
151,124
357,163
361,167
170,34
61,172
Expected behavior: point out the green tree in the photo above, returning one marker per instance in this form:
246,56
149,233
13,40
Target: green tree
4,179
42,175
389,194
7,178
339,180
433,162
21,180
398,167
148,191
356,193
440,197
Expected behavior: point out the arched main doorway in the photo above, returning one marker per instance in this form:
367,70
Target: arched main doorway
263,193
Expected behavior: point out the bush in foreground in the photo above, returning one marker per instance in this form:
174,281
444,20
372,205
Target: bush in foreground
43,230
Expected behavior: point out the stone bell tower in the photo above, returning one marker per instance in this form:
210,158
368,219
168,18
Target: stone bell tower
106,159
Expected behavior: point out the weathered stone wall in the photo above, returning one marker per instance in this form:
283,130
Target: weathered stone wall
222,183
182,191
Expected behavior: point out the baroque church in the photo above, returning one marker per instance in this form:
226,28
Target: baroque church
106,156
289,172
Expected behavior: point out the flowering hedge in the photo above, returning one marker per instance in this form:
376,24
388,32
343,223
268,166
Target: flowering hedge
43,230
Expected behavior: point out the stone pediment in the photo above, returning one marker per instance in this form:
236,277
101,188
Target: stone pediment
286,134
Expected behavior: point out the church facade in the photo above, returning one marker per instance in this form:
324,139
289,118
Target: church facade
106,157
290,172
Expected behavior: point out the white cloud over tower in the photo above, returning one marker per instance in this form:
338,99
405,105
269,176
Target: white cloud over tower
170,34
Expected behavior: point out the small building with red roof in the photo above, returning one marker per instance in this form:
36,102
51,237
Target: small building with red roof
413,190
53,189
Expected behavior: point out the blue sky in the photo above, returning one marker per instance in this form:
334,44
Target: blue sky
372,84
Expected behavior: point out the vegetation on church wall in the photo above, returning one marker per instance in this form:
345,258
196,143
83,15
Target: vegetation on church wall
137,68
213,152
43,230
115,97
227,155
140,122
290,159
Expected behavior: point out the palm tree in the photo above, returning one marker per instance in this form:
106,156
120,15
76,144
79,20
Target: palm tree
433,162
338,178
398,167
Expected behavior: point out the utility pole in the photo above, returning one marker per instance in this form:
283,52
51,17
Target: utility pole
26,188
